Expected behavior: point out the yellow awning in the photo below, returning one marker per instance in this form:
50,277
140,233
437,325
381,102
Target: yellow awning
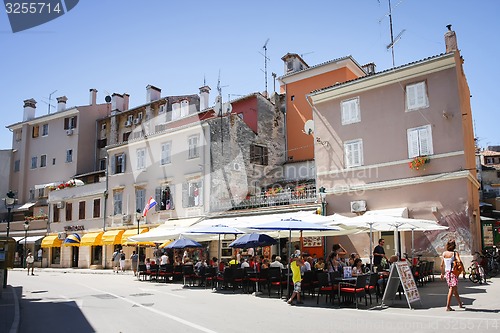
112,237
133,232
92,239
51,241
164,244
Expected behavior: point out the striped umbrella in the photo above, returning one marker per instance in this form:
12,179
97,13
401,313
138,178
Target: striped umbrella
72,240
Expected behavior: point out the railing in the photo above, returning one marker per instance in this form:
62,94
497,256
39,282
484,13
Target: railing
287,197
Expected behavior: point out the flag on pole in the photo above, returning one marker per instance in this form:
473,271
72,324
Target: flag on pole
150,204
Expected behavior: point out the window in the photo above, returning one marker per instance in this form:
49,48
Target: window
69,211
140,199
55,213
32,194
162,109
118,163
141,158
101,143
416,96
69,155
350,111
34,162
353,151
102,164
489,160
17,165
43,161
45,129
125,136
419,141
97,208
193,143
192,194
81,210
69,123
258,154
166,151
18,135
117,202
35,132
164,196
53,161
41,193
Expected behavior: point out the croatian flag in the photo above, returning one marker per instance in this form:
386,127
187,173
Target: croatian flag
150,204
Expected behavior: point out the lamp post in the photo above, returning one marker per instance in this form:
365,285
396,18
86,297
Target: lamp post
26,227
138,216
9,201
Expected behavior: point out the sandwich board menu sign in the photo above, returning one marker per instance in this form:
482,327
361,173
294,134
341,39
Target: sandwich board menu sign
400,274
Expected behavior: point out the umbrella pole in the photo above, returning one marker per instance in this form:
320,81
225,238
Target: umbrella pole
371,245
396,240
412,245
219,253
288,266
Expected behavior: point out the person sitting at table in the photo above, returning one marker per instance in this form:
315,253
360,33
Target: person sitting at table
265,264
245,263
148,264
333,263
277,263
320,265
306,267
357,267
233,261
352,258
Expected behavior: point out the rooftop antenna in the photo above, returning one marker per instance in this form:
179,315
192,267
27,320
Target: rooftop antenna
393,40
265,61
50,100
303,54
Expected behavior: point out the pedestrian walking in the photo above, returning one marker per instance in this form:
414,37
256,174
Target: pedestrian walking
446,272
30,262
134,258
116,260
122,261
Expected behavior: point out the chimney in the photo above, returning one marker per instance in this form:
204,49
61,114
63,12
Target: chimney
93,96
61,103
369,68
152,93
204,97
450,40
116,102
29,109
184,108
176,110
126,98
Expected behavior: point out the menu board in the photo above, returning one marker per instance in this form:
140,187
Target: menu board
401,274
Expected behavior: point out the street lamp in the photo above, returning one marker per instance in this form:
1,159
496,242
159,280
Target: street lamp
26,227
138,216
9,202
322,194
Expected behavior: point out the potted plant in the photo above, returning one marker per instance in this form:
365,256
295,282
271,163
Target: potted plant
419,162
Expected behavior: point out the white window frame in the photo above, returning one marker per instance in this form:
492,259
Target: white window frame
69,155
141,158
416,96
117,202
420,141
350,111
194,146
350,148
140,199
45,129
166,153
34,162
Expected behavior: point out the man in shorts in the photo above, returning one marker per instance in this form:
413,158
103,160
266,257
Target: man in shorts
295,266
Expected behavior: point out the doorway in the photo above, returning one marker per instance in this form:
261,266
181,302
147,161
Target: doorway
75,255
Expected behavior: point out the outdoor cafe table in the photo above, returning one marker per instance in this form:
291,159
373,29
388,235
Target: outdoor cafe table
339,280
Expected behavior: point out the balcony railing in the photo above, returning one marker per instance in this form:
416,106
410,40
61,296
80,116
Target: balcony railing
287,197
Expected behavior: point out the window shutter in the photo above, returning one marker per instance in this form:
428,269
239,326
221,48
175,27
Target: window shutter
413,147
74,121
200,193
425,137
113,164
124,162
411,97
348,155
356,153
420,94
345,113
264,155
252,153
66,123
171,190
185,195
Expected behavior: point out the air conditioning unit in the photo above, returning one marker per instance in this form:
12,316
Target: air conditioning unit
128,123
137,121
358,206
61,235
69,132
60,204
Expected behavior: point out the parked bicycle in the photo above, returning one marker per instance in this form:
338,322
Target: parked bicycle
476,270
490,263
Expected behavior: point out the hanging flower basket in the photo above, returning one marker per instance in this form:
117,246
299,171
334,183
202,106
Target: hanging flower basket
419,162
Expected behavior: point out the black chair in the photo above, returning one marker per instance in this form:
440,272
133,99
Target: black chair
371,287
354,290
177,275
256,279
275,279
209,276
325,287
153,272
188,274
309,282
238,279
224,279
142,272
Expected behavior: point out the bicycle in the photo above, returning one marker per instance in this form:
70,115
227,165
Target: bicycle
476,270
491,262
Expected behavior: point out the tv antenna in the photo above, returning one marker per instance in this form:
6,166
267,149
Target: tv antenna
265,61
398,37
49,105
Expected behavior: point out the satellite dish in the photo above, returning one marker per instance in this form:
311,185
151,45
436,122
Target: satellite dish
228,107
107,99
309,127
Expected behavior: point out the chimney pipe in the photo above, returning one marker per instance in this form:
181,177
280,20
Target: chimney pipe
450,40
61,103
204,97
152,93
93,96
29,109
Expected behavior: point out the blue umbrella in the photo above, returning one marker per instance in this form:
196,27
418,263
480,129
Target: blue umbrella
253,240
182,243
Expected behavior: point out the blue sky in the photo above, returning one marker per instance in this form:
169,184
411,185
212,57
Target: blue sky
124,45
